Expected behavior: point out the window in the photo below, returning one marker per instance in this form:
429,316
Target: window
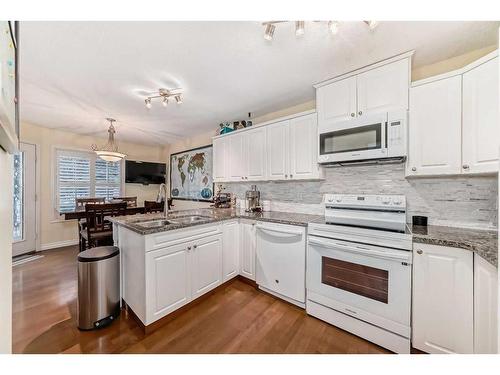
83,174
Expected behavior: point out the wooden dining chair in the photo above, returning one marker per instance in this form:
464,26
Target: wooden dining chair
80,204
98,231
131,201
153,206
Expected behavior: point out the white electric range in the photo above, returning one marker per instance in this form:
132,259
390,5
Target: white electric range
359,268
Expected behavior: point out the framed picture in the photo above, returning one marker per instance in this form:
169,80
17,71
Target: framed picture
191,175
9,117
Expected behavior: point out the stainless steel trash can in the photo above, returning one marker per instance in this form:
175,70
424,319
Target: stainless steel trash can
98,287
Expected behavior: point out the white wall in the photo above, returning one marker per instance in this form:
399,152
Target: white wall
5,252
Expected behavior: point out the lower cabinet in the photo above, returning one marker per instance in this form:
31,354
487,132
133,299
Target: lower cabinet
247,249
179,273
485,307
230,250
281,260
443,314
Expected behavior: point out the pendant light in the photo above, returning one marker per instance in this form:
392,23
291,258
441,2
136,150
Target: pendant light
109,152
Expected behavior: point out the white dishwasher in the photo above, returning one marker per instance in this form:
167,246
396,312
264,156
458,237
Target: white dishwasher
281,261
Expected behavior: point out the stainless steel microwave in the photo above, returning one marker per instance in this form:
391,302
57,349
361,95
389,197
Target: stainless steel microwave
378,136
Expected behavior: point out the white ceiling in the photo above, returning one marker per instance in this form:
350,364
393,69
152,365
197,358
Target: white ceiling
74,74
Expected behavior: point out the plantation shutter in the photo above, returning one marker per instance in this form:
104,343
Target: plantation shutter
82,175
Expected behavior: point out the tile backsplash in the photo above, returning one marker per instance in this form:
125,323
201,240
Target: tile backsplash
463,201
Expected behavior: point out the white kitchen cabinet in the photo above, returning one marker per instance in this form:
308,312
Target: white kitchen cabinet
442,299
303,154
277,150
255,154
220,159
281,260
247,249
230,250
206,257
485,306
383,89
281,150
435,128
336,102
480,118
236,157
168,280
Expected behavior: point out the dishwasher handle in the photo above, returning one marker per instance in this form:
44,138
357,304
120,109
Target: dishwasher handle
277,232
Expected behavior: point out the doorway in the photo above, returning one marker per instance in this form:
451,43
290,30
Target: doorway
24,200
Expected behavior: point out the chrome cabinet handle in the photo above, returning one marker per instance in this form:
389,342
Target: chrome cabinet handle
465,166
353,114
360,113
419,251
414,169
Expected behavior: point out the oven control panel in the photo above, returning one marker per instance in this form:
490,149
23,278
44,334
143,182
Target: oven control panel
365,201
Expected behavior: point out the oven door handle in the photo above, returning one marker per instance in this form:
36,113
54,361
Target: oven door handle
362,250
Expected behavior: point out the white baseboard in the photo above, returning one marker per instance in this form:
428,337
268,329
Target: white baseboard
55,245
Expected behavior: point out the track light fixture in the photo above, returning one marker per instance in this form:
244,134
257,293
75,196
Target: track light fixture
372,24
269,33
299,28
165,94
333,27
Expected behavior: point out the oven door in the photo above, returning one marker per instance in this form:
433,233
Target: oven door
364,138
370,283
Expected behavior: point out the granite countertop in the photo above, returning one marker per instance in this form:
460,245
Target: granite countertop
211,215
482,242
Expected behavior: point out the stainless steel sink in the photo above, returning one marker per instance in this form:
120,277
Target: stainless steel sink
189,219
154,223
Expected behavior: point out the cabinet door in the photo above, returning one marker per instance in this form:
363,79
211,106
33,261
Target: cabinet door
480,118
303,147
230,250
206,263
247,250
383,89
236,157
435,123
255,154
281,259
336,102
442,299
167,281
277,150
485,306
220,159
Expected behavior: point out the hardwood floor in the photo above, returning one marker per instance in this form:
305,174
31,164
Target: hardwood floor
235,319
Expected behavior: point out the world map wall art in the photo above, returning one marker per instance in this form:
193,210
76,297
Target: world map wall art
191,175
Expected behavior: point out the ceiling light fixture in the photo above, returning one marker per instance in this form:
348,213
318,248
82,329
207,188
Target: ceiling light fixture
333,26
109,152
372,24
269,33
165,94
299,28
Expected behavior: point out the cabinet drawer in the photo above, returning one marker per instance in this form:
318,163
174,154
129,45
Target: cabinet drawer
160,240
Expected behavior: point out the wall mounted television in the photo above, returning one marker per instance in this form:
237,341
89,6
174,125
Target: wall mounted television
142,172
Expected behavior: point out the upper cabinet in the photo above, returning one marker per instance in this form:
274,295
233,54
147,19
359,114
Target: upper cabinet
480,118
336,101
381,87
434,132
454,121
284,150
384,89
